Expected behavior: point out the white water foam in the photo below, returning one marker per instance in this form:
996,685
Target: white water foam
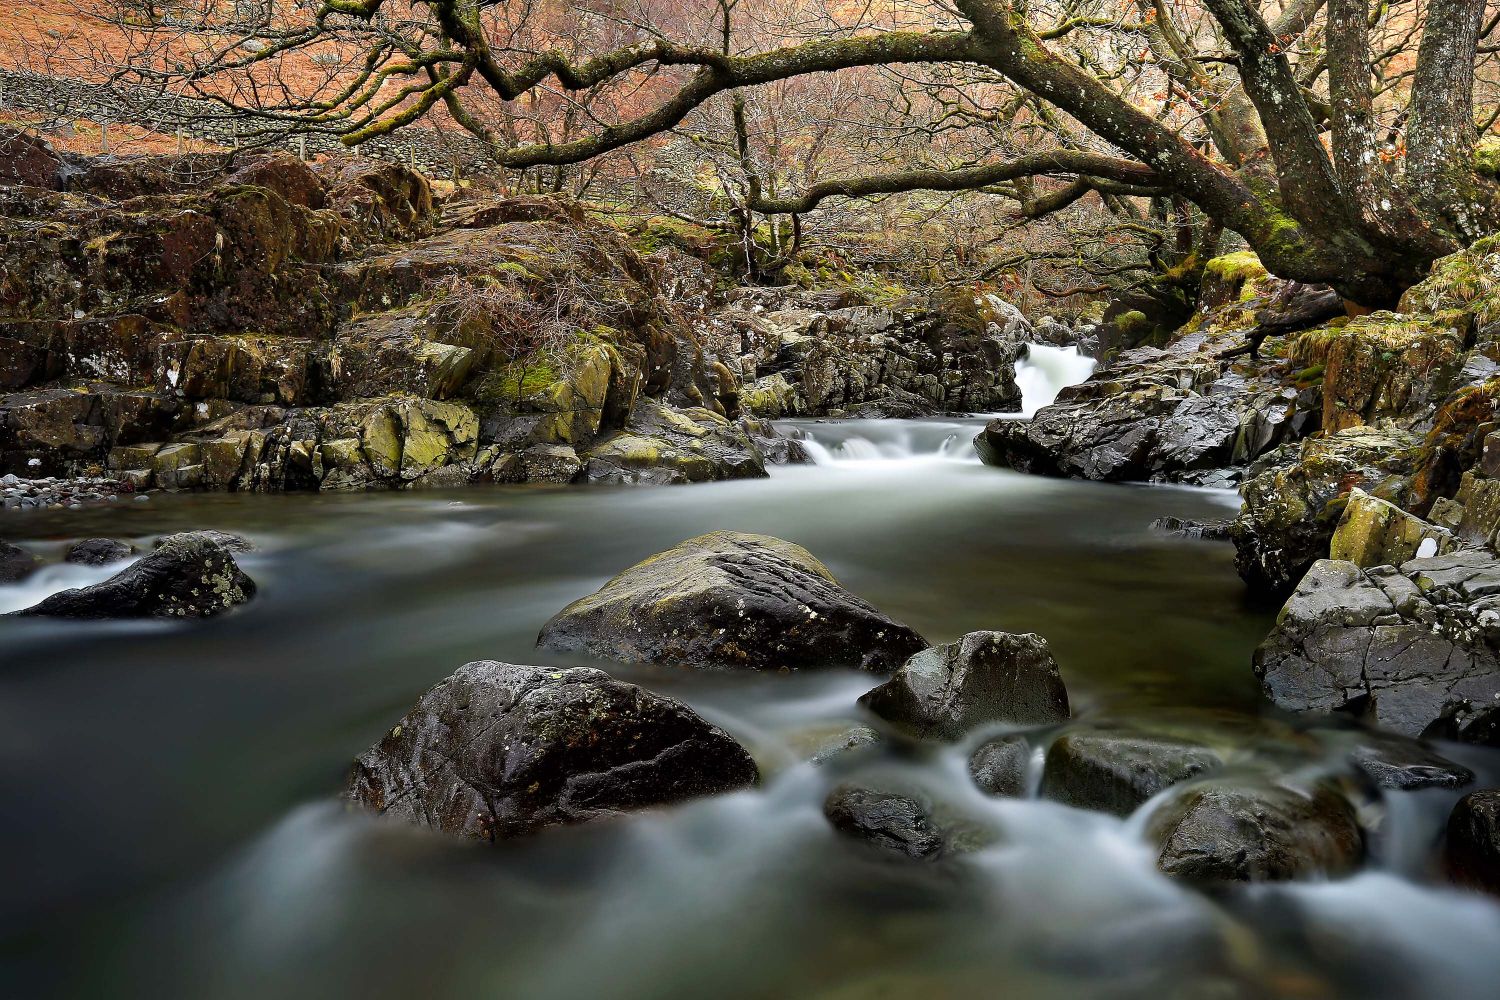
1046,371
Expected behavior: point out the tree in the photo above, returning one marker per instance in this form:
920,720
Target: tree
1336,137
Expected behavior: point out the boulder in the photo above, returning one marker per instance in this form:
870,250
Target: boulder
986,677
16,563
1230,833
1413,649
1117,770
98,551
1373,532
1473,851
661,444
189,575
1406,765
731,600
28,160
897,824
501,750
1002,766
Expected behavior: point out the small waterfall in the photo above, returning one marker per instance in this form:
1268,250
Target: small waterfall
1046,371
861,442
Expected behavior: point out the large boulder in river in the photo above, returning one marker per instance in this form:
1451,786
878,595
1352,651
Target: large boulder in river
500,750
730,599
986,677
190,575
1474,840
899,824
1417,650
1233,833
1117,770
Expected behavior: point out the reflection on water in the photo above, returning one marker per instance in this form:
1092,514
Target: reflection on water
172,829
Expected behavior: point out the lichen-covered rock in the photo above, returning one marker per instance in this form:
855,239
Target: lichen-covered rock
1373,532
1117,770
1417,649
731,600
16,563
1241,833
1291,502
986,677
188,575
98,551
1473,850
660,444
500,750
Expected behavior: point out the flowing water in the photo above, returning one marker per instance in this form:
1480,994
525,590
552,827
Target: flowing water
172,828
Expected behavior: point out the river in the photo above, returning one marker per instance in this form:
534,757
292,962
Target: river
172,828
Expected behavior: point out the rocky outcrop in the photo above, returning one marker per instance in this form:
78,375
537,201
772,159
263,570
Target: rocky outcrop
188,575
800,354
731,600
251,323
1373,532
1293,499
1415,649
500,750
1240,833
986,677
1117,770
1473,850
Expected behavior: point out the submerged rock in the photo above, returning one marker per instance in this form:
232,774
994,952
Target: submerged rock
1002,766
98,551
899,824
944,692
1474,840
730,599
16,563
1204,531
1223,833
189,575
1116,771
1406,765
1413,649
500,750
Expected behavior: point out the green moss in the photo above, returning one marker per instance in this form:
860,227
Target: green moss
1487,158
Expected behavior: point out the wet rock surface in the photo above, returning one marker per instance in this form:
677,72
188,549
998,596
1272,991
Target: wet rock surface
500,750
731,600
98,551
1116,771
1233,833
188,575
1002,766
16,563
901,825
1473,849
1406,765
1413,649
986,677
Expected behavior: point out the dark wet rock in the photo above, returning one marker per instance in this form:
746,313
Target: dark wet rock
731,600
1473,851
500,750
16,563
1406,765
1199,531
842,742
1002,766
189,575
1293,500
234,543
1116,771
1224,833
776,448
98,551
898,824
1180,414
1416,650
986,677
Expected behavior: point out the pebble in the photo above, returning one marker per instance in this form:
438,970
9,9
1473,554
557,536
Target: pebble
53,493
